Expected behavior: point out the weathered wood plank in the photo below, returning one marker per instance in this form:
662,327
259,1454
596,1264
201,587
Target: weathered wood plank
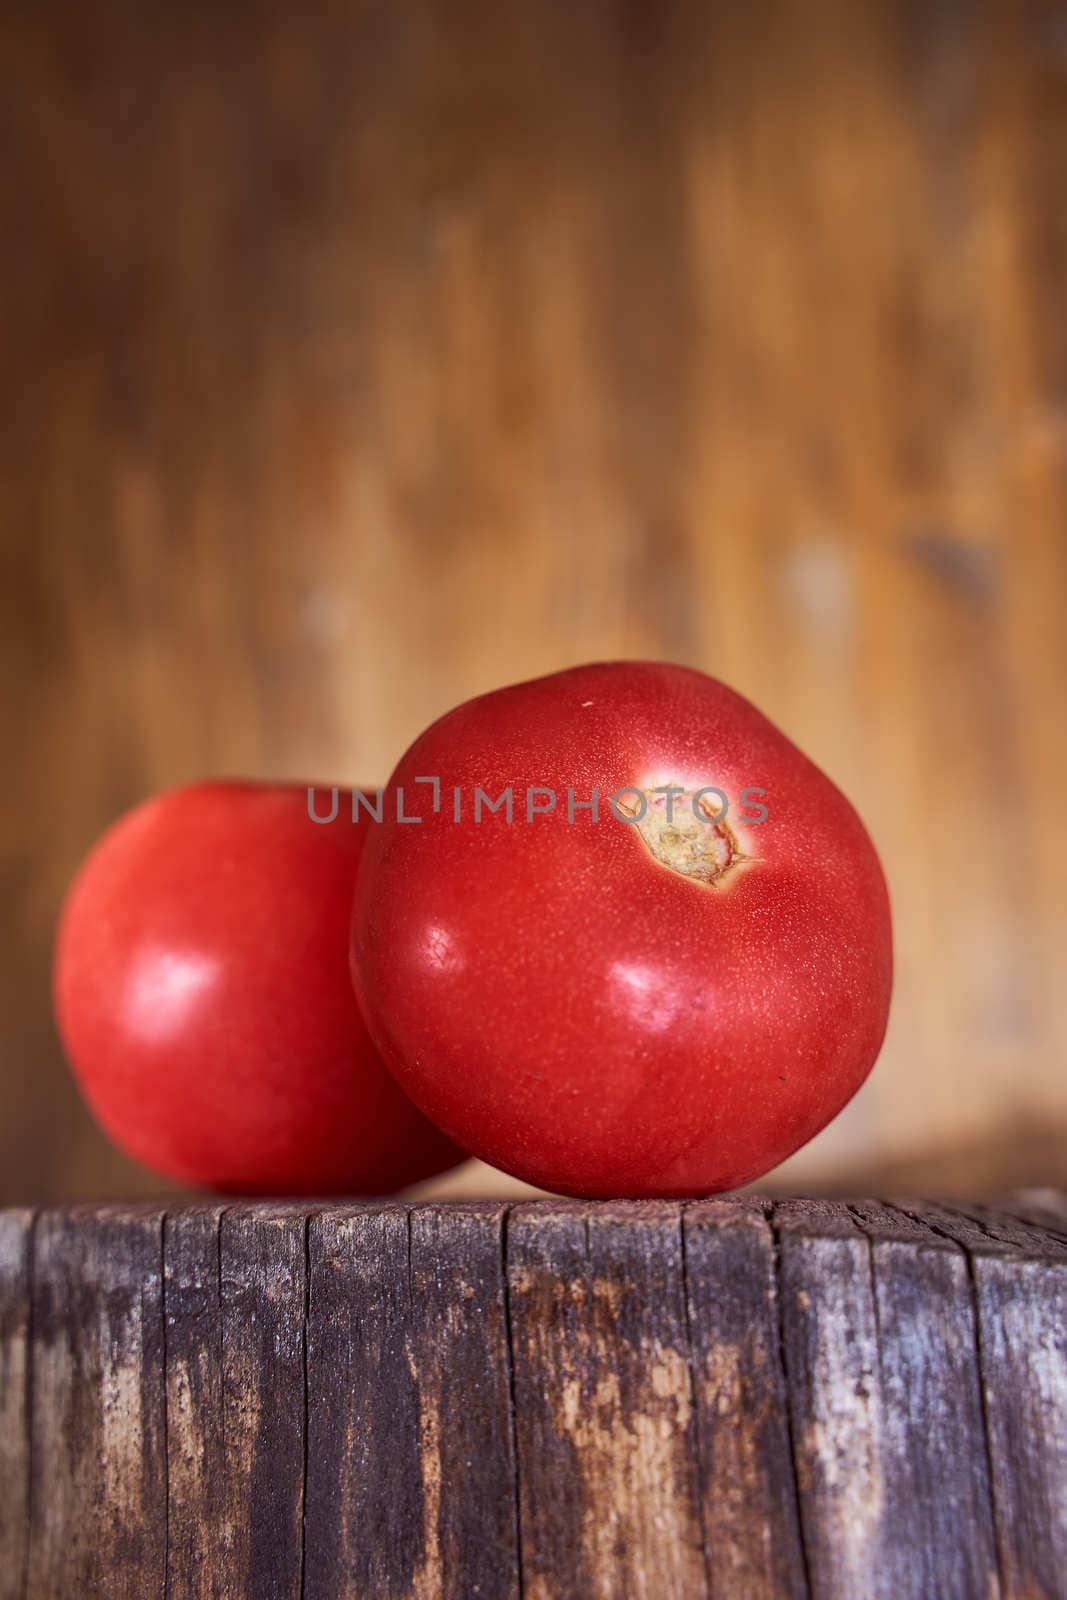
197,1467
365,1531
881,1356
1044,1208
748,1480
98,1453
609,1496
15,1243
937,1512
264,1301
1023,1318
1024,1238
1019,1277
461,1361
411,1477
627,1400
830,1341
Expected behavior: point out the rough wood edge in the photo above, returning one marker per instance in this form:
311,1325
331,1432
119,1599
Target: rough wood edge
1027,1231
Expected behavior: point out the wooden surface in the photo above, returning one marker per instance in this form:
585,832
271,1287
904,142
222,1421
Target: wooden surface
727,1400
358,358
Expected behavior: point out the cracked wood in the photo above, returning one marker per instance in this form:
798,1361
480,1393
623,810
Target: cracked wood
728,1400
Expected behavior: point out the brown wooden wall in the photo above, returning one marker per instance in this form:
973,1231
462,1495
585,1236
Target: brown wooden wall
361,357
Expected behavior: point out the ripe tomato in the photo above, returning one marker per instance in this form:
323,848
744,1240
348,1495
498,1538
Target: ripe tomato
202,993
626,1004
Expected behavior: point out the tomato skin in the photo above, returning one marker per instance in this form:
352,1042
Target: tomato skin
202,994
576,1012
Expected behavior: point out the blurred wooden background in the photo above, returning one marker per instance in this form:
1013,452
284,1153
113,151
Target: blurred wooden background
360,357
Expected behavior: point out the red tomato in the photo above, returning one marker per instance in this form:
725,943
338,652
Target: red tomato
616,1006
202,993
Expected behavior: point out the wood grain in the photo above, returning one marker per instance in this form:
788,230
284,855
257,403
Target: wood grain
935,1450
263,1265
96,1447
411,1472
728,1400
15,1317
745,1446
1019,1273
462,1367
199,1468
830,1343
365,1488
358,359
610,1500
